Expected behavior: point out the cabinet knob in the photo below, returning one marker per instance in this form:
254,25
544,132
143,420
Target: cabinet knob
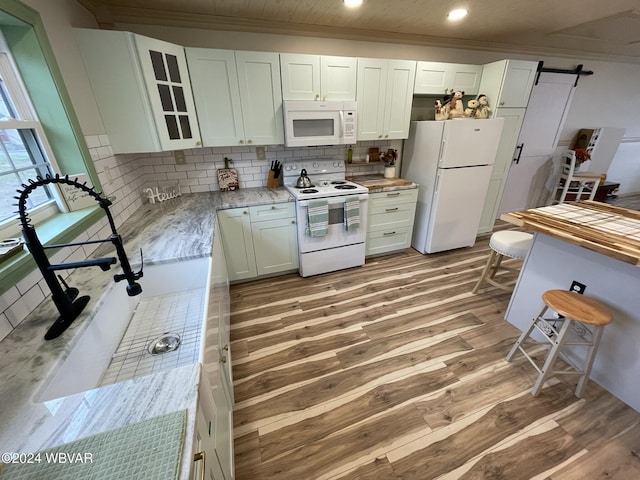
386,136
244,212
273,207
324,99
501,103
241,141
317,96
249,141
293,222
379,136
198,143
226,348
223,359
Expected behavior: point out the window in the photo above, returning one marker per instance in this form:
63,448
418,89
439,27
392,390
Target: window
24,153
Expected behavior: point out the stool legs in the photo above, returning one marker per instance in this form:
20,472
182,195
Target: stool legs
489,271
591,356
557,338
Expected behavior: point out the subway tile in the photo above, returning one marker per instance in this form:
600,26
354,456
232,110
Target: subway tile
8,298
24,305
5,326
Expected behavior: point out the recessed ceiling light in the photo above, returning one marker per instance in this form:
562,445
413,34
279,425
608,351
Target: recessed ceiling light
353,3
457,14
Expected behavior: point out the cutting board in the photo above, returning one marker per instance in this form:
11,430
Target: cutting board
227,177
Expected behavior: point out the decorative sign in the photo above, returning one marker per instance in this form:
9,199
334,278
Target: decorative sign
167,194
76,198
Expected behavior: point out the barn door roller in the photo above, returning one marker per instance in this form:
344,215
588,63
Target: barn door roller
578,71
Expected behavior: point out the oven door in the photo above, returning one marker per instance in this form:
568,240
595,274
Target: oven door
338,235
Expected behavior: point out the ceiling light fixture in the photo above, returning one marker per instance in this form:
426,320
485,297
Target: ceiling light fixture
353,3
457,14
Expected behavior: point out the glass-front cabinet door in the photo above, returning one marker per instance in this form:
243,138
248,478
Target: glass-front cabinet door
166,76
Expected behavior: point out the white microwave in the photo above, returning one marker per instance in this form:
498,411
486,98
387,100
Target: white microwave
309,123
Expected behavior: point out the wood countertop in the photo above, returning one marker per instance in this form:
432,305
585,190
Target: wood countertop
600,227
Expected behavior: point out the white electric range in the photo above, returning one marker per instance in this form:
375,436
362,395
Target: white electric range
339,248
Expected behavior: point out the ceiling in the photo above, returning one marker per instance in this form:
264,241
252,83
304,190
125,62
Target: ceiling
607,29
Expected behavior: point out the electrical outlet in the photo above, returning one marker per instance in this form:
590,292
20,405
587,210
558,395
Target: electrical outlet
260,155
179,157
577,287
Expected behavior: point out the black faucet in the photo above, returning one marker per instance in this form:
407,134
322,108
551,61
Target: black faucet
65,299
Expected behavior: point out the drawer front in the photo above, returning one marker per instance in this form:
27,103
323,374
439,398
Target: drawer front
392,198
389,240
272,212
398,215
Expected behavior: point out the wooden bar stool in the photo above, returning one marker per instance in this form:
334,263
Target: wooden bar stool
505,243
581,322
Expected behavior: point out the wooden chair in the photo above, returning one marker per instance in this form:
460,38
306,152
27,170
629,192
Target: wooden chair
581,185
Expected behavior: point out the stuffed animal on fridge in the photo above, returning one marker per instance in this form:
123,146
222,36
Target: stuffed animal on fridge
483,110
472,109
456,108
441,112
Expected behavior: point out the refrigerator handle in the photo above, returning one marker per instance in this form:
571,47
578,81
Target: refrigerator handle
519,148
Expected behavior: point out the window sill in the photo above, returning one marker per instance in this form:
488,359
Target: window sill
61,228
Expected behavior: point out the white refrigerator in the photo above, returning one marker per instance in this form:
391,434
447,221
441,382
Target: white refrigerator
452,161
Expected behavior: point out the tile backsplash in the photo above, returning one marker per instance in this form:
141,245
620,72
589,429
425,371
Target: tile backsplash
125,177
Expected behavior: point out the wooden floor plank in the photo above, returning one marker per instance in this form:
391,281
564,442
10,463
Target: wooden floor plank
395,370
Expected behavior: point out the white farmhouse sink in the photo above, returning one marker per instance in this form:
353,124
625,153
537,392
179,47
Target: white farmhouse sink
85,366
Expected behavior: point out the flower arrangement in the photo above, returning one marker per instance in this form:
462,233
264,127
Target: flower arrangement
581,156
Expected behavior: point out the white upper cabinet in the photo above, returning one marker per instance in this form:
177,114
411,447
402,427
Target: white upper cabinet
434,78
385,95
508,83
142,89
238,96
316,77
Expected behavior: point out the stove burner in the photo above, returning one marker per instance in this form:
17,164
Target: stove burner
338,182
345,187
309,190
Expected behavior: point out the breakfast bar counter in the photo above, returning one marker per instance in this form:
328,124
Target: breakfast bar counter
597,245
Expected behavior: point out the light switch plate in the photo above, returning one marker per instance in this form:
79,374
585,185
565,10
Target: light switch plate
260,155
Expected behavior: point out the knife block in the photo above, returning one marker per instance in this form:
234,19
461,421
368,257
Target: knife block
272,182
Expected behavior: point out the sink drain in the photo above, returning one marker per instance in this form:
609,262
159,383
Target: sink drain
165,343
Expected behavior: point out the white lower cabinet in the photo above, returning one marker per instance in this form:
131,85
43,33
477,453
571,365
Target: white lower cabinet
390,221
213,443
259,240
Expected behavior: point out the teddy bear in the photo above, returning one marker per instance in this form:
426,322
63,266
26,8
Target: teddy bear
483,110
441,112
456,108
472,109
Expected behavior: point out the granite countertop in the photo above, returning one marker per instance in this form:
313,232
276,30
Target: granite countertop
378,183
178,229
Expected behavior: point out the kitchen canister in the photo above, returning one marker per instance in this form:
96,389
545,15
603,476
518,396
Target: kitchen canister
389,172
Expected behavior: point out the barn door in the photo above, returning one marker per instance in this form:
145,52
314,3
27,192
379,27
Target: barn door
547,109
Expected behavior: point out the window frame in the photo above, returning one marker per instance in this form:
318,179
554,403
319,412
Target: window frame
31,51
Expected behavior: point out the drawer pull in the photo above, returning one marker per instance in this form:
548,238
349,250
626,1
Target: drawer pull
395,209
386,234
394,194
196,458
273,207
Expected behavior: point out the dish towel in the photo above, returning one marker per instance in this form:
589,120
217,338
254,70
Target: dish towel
318,218
351,213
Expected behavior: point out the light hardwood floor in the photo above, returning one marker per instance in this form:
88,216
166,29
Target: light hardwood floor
395,370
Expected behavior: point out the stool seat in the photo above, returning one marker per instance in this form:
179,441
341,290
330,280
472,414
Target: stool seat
580,323
505,243
511,243
578,307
